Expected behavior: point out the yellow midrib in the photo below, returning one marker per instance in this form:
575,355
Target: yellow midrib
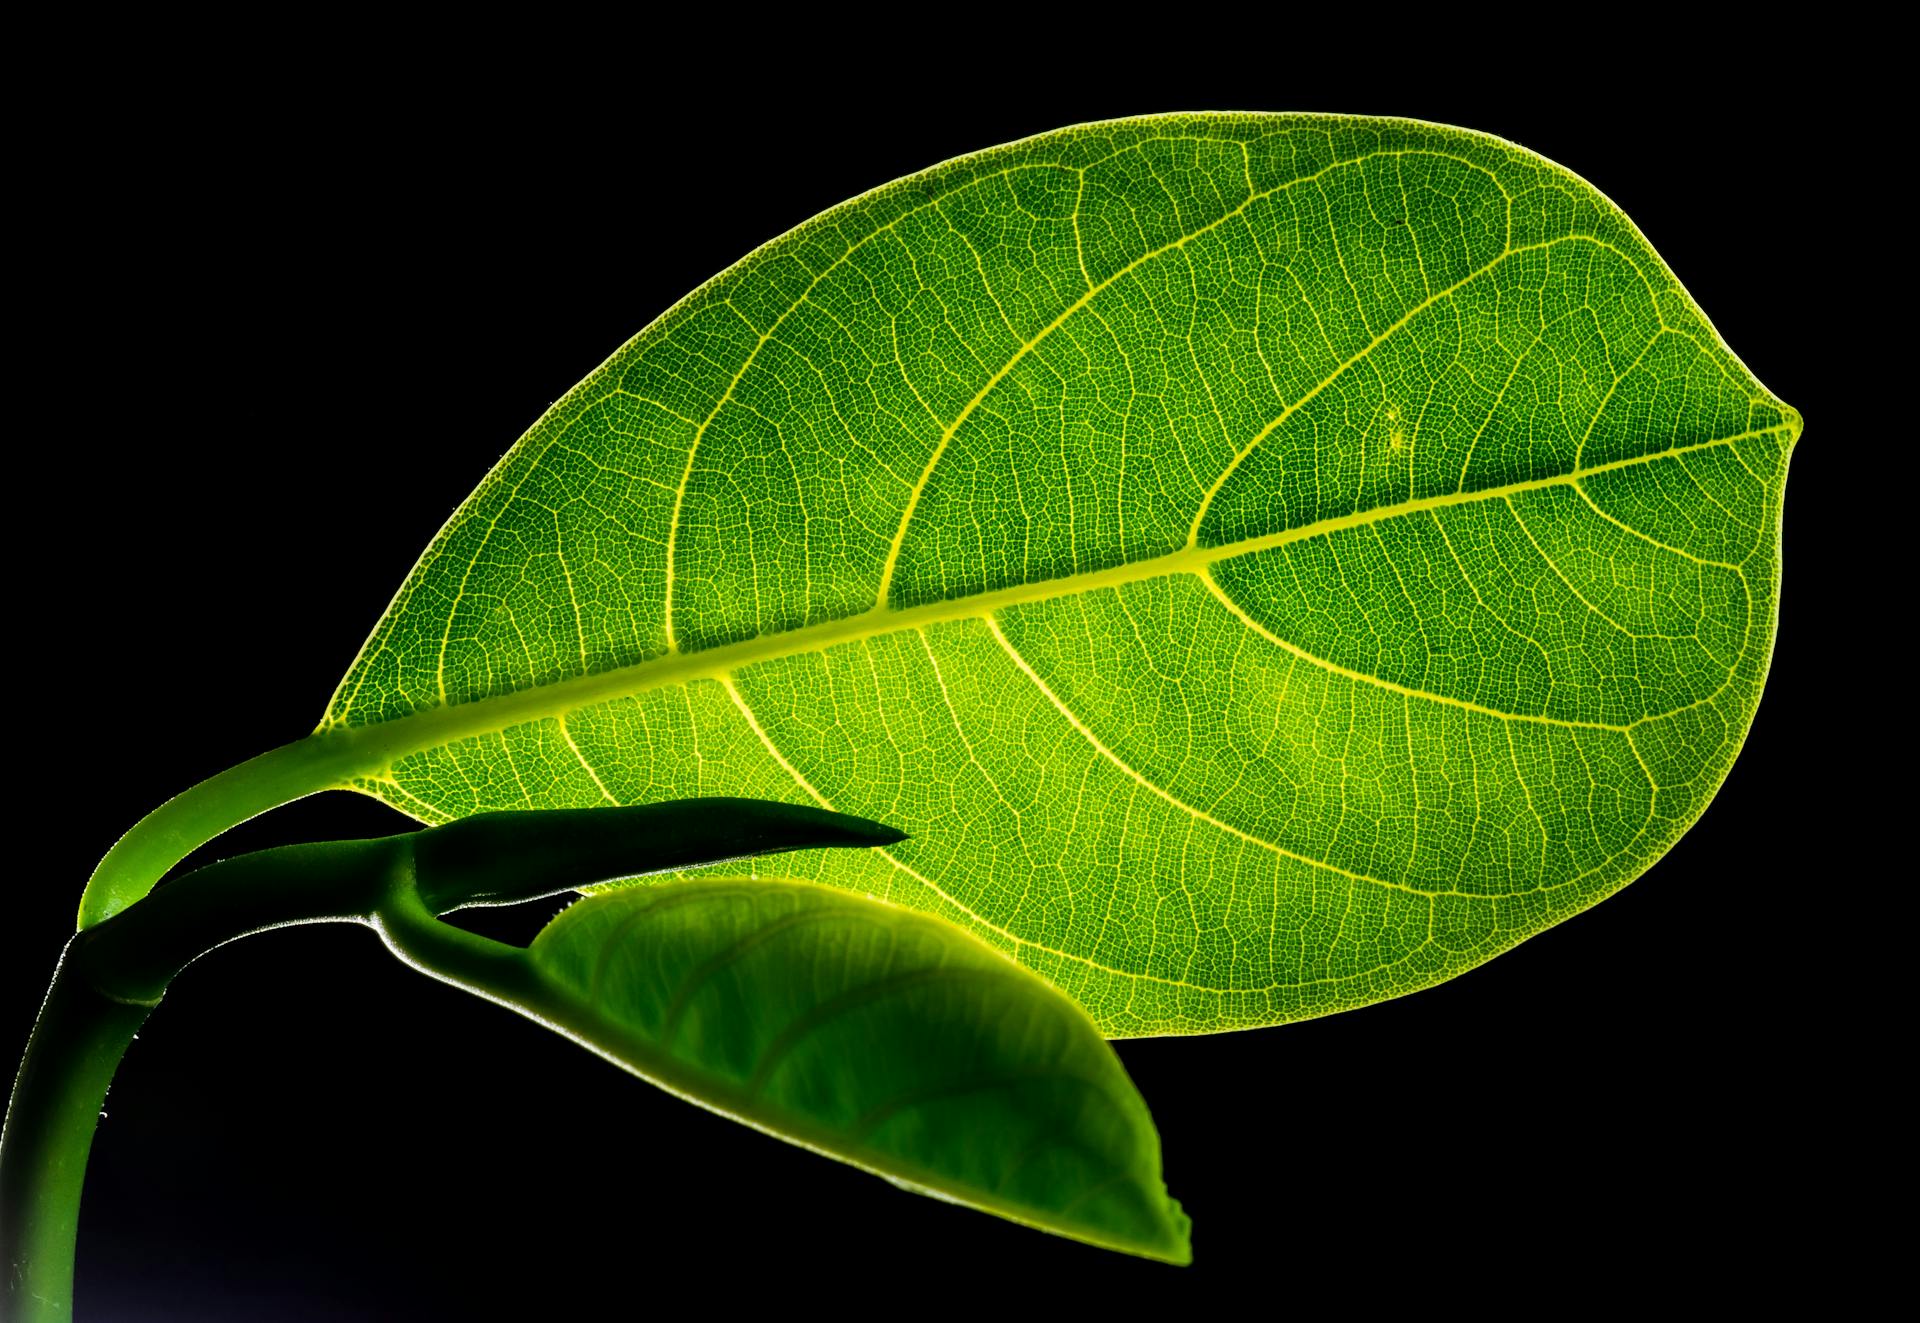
372,749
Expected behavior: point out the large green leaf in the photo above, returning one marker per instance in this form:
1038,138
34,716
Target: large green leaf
1268,563
889,1039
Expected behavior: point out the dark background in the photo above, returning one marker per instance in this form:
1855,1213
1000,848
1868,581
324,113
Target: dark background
292,319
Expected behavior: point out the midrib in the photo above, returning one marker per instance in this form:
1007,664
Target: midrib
371,750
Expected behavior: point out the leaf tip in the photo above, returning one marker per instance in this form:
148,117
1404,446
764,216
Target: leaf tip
865,831
1795,425
1179,1251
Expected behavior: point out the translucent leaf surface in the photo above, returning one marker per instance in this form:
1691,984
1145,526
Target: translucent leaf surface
1268,563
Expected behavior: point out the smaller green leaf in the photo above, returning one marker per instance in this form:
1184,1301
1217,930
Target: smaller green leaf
506,858
884,1037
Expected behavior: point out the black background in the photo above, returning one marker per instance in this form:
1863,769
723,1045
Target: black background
293,320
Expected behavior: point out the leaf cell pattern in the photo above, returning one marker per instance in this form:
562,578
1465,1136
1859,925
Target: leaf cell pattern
1269,563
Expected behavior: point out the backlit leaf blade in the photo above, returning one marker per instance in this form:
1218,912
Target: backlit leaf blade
1268,563
884,1037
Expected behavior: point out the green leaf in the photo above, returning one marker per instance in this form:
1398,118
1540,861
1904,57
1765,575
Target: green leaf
506,858
886,1038
1268,563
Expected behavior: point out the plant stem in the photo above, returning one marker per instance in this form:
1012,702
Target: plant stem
77,1044
195,816
109,979
114,972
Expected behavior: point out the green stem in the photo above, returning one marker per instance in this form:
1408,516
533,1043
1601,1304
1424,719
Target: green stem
476,964
109,980
77,1044
117,968
195,816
